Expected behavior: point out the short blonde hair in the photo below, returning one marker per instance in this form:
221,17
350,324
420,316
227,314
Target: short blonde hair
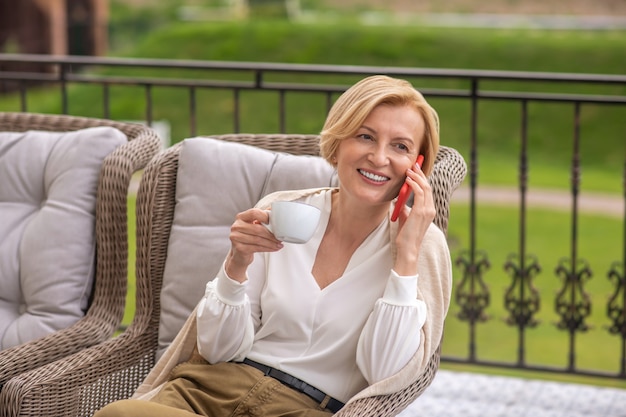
352,108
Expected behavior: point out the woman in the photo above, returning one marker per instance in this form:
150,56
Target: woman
297,330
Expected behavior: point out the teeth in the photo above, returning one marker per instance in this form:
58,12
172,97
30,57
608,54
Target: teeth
373,177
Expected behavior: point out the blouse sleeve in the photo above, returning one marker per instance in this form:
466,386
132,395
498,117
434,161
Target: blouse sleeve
392,333
225,326
404,328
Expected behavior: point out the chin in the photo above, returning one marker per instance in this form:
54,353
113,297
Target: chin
392,194
381,199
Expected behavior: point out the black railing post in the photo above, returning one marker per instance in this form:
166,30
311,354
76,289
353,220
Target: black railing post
236,110
148,88
329,101
281,111
105,101
572,303
623,315
23,105
616,306
522,305
63,83
192,111
472,295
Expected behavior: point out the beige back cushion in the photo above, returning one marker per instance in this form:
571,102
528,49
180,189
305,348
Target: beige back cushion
48,184
216,180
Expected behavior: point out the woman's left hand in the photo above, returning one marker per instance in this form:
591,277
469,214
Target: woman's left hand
414,222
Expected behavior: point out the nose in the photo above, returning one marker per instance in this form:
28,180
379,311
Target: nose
378,156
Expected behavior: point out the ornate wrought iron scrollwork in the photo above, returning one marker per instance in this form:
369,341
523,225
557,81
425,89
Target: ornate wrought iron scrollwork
615,310
572,303
472,294
522,299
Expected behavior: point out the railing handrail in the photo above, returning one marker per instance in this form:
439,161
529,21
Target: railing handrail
467,74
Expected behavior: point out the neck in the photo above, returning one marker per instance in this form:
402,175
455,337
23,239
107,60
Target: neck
353,219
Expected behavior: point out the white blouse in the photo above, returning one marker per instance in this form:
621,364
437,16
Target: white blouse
360,329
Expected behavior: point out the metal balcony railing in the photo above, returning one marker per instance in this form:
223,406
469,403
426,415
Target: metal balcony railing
218,97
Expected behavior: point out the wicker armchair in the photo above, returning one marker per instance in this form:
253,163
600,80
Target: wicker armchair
85,382
106,308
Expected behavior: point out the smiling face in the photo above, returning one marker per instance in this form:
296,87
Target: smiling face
372,164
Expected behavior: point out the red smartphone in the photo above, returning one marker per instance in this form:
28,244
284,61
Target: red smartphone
405,191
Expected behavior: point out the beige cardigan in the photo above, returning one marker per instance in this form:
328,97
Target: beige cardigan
434,288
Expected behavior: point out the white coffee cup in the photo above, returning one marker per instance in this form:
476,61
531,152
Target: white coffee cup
293,221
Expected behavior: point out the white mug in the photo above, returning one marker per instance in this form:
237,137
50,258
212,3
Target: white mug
293,221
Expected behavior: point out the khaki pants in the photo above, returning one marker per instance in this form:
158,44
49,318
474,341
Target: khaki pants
221,390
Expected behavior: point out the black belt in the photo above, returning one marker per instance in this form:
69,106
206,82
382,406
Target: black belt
299,385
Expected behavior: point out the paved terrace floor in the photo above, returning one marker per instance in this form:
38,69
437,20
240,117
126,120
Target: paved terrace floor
463,394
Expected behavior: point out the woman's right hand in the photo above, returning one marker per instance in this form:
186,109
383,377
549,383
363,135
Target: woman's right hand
414,222
248,236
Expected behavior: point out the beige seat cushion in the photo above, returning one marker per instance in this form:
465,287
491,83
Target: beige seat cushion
48,184
216,180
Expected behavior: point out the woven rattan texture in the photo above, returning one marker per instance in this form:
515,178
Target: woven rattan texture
19,365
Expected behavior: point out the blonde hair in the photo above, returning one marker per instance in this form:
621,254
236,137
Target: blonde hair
352,108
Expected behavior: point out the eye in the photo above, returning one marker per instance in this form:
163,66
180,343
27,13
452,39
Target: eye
365,136
402,147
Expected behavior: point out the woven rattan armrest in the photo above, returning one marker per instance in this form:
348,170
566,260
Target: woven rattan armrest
81,384
108,299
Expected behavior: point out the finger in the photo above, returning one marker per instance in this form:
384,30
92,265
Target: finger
247,234
423,201
418,182
254,214
255,235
